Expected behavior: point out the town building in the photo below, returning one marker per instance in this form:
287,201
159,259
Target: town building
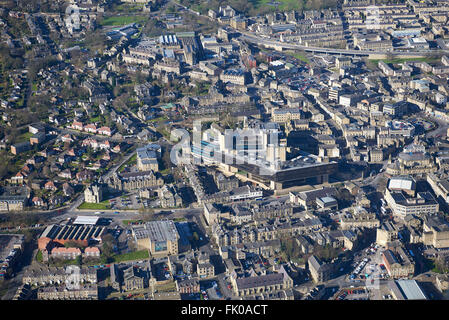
436,232
406,290
128,181
93,193
81,292
423,204
188,286
321,272
147,157
204,268
159,237
61,234
14,199
135,278
386,234
398,263
259,284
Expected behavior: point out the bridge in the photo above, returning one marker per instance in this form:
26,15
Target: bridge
278,45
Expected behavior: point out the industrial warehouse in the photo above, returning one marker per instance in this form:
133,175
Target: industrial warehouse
82,234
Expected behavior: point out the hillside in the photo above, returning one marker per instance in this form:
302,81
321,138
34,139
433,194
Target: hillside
258,7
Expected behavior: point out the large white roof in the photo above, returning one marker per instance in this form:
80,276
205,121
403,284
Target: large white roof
405,183
86,220
411,290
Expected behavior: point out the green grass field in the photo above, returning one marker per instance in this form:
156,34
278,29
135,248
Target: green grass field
39,256
283,4
159,119
299,56
128,7
167,287
104,205
123,20
165,171
136,255
288,5
131,161
162,130
257,7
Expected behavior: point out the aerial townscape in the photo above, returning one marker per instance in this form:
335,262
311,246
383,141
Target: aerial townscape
224,150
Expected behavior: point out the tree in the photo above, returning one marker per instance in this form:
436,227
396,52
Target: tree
325,253
108,246
46,171
171,9
79,260
441,265
38,64
290,249
166,159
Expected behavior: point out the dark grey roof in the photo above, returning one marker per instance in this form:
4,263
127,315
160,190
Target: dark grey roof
314,262
259,281
313,194
438,223
390,257
138,174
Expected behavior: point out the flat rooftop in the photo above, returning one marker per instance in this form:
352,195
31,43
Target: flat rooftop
72,232
147,153
86,220
164,230
258,281
410,290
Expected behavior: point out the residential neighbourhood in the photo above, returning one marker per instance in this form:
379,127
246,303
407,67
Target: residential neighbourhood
205,150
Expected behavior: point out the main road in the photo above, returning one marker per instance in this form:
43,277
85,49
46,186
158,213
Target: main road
259,40
278,44
129,214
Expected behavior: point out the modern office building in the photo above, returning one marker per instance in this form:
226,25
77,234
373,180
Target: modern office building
260,152
159,237
401,205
